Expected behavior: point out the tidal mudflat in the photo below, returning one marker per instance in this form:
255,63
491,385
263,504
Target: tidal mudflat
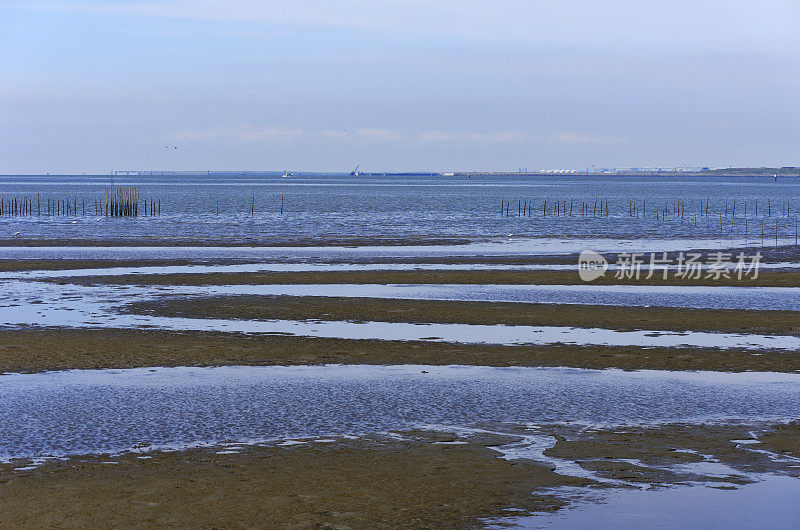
450,376
525,440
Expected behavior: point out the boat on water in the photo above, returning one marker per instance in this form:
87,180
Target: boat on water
356,172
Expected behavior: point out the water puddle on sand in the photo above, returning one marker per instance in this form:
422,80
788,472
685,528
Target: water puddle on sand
38,304
277,267
316,267
102,411
722,297
502,247
690,297
770,503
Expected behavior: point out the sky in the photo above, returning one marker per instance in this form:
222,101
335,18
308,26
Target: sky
93,86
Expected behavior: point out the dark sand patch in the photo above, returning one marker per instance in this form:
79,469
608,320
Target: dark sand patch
40,349
508,313
375,482
381,483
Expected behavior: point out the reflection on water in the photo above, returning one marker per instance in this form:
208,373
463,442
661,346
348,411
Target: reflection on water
47,304
498,247
316,267
84,411
753,298
771,503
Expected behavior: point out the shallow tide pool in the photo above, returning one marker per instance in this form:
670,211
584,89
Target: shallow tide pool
96,411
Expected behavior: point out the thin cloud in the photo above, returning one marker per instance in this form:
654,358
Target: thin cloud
573,138
495,137
378,135
243,133
520,137
246,133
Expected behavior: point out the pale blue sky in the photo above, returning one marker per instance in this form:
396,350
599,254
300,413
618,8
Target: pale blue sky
88,86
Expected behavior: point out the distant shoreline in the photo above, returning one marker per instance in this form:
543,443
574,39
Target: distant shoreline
788,171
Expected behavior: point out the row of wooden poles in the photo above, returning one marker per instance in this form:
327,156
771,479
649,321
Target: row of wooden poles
639,207
600,208
525,208
117,202
769,208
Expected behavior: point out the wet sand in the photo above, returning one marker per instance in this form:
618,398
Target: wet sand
12,265
378,482
766,278
381,482
41,349
452,312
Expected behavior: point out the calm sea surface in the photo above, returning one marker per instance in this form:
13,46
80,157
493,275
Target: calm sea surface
396,209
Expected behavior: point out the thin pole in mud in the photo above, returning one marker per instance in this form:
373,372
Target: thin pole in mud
795,230
501,207
38,206
159,206
544,207
570,207
253,204
502,203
